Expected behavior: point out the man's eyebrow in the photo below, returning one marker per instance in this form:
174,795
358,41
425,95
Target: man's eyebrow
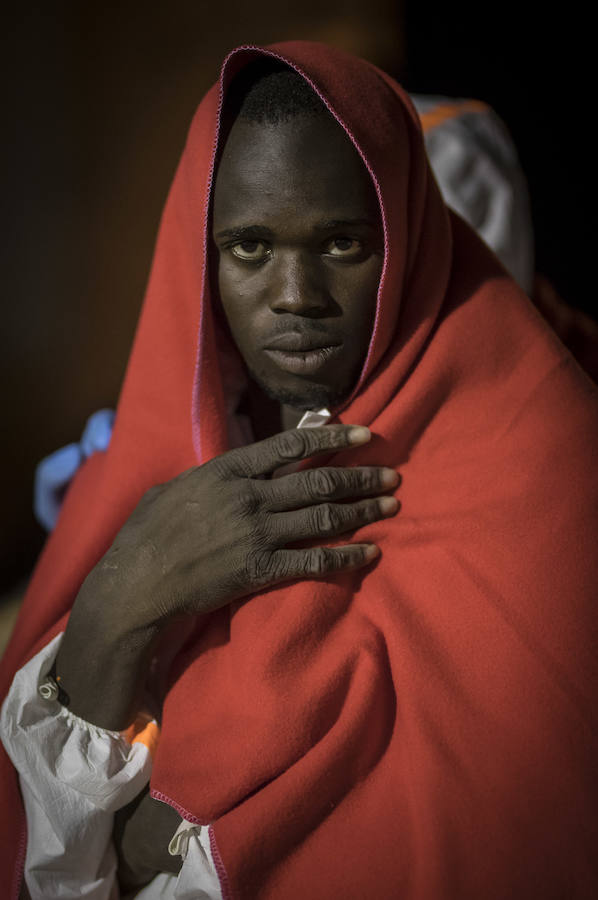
343,223
243,230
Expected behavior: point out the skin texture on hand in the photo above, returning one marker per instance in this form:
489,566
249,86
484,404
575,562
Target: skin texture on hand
214,534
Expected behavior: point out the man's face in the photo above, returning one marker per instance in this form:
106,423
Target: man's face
299,234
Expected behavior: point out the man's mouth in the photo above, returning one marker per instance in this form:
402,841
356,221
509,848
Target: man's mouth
303,362
302,354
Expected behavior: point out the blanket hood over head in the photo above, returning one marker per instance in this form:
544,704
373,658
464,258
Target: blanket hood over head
426,729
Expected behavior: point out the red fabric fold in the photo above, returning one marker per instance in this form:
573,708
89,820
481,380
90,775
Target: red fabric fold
425,729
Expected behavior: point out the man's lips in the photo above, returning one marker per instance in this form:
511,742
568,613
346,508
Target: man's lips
293,342
302,354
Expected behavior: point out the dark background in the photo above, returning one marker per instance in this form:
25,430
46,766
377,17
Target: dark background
98,101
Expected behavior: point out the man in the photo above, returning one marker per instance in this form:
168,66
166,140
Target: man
353,715
475,164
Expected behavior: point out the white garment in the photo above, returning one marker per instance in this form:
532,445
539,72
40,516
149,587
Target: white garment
74,776
477,169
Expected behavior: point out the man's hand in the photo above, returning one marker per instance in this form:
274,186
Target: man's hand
220,531
216,533
142,832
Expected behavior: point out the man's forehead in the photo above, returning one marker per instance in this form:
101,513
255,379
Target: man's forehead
307,162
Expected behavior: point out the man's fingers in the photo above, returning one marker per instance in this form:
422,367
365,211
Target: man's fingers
328,519
290,446
326,483
316,562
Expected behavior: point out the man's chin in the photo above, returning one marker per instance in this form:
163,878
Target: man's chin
309,396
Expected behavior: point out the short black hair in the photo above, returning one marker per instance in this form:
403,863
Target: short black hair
269,92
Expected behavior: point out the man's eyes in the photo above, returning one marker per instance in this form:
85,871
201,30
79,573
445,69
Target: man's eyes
251,251
341,247
344,247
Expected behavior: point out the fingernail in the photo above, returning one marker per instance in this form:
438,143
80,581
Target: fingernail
359,434
372,551
388,505
389,477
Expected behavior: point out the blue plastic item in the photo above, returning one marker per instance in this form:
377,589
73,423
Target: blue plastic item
55,472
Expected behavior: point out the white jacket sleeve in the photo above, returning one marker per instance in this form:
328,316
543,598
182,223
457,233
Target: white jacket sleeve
74,776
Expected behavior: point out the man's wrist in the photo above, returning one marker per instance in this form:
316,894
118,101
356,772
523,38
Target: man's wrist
102,665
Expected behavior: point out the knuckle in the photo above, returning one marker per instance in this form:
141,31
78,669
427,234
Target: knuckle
366,480
247,500
258,565
369,511
370,480
322,483
327,518
292,444
319,561
339,436
359,512
354,556
233,463
280,568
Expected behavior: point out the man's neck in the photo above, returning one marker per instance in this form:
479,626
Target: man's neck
267,416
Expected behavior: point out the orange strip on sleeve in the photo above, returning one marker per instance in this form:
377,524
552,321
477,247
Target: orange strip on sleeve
144,730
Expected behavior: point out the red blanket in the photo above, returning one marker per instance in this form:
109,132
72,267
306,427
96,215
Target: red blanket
427,730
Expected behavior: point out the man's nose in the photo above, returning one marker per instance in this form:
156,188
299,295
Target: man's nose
298,286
